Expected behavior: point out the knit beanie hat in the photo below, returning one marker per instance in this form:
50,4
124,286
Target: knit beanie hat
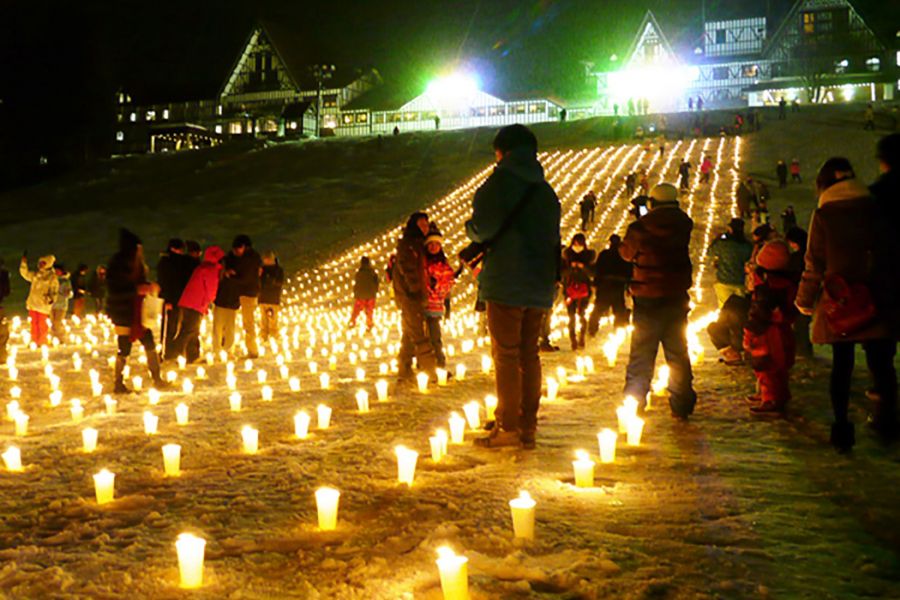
774,256
434,235
664,193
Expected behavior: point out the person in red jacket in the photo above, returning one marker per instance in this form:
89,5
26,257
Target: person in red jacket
198,294
705,169
439,281
768,333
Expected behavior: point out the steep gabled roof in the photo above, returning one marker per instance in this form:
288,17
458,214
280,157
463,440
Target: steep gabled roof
649,27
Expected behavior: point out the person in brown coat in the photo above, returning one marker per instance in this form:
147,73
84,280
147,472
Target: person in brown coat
657,245
845,237
408,279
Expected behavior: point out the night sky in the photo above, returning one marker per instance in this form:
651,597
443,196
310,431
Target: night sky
62,61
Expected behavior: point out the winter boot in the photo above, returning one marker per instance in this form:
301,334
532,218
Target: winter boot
528,439
842,436
153,365
120,387
499,438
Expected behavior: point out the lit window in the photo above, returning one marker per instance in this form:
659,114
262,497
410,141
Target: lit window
151,115
809,23
750,70
219,109
292,125
348,119
120,136
219,129
873,64
132,117
165,113
234,128
362,118
840,66
121,98
720,36
720,73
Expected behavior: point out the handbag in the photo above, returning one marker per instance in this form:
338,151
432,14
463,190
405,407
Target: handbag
474,253
848,308
151,310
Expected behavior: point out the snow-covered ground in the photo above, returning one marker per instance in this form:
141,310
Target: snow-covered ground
723,506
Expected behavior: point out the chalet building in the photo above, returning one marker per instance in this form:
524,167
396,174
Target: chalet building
819,51
274,90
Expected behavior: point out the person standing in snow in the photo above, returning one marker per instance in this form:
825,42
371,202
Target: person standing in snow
658,246
226,305
781,171
684,174
199,293
611,276
410,295
365,291
270,283
578,262
41,296
587,207
246,268
730,253
795,171
61,306
79,290
439,280
706,168
796,239
630,184
848,235
173,270
788,219
128,282
768,333
97,289
516,214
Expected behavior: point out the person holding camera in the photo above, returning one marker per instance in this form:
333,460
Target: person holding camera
515,218
657,244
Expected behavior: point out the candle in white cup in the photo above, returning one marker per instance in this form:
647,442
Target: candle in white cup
522,509
104,486
151,422
362,401
381,389
172,459
441,376
454,573
584,470
12,459
472,410
460,372
324,381
422,382
406,464
301,425
234,401
89,439
457,429
266,393
607,441
21,420
181,413
250,438
324,416
110,405
635,430
490,407
552,389
327,508
77,411
190,550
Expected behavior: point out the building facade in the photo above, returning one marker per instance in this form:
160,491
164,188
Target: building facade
821,51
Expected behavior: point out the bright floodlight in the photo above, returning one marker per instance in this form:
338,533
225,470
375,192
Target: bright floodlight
656,83
453,91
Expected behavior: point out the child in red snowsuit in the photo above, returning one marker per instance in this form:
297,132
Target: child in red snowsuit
439,279
768,334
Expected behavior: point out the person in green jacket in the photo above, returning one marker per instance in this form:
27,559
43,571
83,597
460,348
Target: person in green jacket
730,253
518,277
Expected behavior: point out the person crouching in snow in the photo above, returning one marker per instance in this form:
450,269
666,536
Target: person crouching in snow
768,334
128,281
61,306
439,281
271,280
578,262
198,294
365,290
41,296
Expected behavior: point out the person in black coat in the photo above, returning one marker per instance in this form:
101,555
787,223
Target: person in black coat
173,271
247,266
271,281
128,282
781,171
365,290
226,305
611,276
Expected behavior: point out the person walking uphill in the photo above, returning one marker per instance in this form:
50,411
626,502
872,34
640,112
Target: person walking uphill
199,293
657,244
410,295
365,290
578,262
173,271
247,266
41,296
847,236
611,276
128,281
271,280
516,215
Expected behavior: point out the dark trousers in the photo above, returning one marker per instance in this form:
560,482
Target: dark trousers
413,340
661,321
880,360
124,344
433,324
187,342
801,336
607,298
514,344
576,308
171,321
4,335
